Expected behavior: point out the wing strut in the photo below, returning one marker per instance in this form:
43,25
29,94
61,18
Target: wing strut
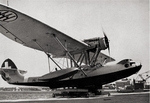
68,54
49,56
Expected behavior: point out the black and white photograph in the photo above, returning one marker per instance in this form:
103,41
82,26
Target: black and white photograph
74,51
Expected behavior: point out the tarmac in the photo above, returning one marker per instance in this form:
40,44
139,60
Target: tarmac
135,97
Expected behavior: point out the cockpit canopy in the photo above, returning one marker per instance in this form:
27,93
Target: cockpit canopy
127,62
124,61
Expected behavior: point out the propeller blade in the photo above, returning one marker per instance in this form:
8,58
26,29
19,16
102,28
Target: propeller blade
107,42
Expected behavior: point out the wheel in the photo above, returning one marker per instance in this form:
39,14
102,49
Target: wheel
53,95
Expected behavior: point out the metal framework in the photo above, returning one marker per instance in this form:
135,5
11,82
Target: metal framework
68,53
82,56
48,55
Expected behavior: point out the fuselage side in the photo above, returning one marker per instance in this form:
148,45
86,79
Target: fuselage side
96,76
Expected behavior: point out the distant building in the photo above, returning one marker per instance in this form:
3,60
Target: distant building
122,84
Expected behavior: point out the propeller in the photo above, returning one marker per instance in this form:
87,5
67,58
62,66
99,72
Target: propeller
107,42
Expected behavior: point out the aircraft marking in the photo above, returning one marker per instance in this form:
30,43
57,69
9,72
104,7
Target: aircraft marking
7,16
7,65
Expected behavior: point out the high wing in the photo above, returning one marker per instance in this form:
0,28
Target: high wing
26,30
35,34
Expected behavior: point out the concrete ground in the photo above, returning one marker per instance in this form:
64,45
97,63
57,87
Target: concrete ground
139,97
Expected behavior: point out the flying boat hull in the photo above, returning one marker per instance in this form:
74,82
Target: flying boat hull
95,79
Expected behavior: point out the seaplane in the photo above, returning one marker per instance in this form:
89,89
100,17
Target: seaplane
87,68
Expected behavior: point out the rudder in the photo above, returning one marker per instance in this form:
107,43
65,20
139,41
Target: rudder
8,63
10,73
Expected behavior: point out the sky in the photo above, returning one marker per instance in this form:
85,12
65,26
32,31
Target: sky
126,23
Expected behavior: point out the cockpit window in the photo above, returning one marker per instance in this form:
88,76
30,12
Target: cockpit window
126,65
129,64
132,63
124,61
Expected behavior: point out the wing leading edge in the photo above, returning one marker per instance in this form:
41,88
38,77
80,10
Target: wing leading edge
37,35
30,32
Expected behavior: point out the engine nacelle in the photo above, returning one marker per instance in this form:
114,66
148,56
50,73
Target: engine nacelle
97,42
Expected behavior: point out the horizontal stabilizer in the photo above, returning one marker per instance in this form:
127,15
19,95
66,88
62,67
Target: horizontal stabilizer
22,71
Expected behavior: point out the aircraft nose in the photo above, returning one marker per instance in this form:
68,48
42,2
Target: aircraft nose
138,66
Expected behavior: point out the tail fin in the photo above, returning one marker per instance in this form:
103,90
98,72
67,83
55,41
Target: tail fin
10,73
9,64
